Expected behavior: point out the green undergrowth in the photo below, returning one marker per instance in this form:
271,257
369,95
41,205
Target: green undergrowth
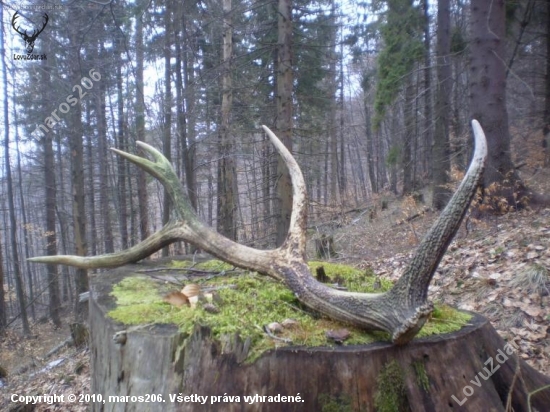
249,301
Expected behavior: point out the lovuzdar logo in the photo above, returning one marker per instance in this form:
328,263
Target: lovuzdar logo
29,39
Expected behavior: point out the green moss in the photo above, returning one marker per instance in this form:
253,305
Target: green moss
355,280
140,300
135,290
421,375
250,301
335,404
215,265
391,395
444,319
210,265
180,264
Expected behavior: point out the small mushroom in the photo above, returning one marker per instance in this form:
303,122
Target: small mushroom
177,299
190,290
193,300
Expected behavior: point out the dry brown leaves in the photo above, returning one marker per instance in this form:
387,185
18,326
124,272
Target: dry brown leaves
70,375
501,269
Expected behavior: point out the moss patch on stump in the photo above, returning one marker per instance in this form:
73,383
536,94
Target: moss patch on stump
250,301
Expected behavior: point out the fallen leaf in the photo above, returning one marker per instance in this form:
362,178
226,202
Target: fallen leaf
507,303
275,327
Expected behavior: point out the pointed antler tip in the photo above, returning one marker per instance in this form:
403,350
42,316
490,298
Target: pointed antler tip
148,148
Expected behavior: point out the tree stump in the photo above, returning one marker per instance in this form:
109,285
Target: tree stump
472,369
324,247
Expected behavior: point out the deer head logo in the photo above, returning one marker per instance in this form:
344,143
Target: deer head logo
29,40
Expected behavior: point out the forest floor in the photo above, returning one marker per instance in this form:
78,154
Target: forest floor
498,266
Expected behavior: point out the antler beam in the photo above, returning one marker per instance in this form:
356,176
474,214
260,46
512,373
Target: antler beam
402,311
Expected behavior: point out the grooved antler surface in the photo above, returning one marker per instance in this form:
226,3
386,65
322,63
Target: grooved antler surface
402,311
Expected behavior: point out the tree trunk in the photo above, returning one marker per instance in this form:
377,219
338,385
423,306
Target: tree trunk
460,146
63,225
167,126
409,137
266,184
3,307
342,182
189,150
27,238
472,369
428,130
332,127
77,163
104,206
91,179
488,96
441,149
140,130
284,115
369,134
227,195
11,204
121,166
51,234
546,127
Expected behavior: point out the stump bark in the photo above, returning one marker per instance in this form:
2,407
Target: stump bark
469,370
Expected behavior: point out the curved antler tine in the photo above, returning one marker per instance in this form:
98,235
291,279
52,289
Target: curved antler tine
162,169
156,154
480,143
296,233
144,163
437,239
167,235
137,160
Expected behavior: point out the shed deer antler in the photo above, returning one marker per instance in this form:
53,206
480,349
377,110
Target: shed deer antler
402,311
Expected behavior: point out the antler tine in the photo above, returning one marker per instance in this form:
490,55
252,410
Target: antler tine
189,226
167,235
296,238
161,169
432,248
156,167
